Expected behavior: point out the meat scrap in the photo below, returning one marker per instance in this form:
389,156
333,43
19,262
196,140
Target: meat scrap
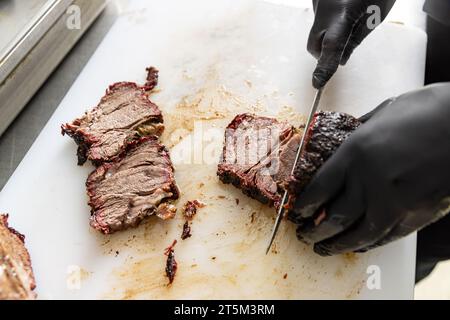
122,116
190,209
152,78
259,153
166,211
171,263
16,274
134,186
186,231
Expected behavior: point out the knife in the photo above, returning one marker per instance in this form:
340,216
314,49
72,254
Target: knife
297,157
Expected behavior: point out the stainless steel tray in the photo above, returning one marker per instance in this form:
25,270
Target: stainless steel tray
34,40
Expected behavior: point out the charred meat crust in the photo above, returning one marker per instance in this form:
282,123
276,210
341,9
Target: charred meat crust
122,116
325,134
16,279
132,187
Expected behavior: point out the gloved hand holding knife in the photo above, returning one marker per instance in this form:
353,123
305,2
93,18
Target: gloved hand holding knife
391,177
339,27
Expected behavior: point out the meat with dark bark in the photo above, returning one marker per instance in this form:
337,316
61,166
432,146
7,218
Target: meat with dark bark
123,115
132,187
259,153
16,274
325,134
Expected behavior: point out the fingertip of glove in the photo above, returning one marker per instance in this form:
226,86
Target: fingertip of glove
320,78
317,82
344,61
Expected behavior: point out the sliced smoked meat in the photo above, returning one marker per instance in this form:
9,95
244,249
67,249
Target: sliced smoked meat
259,153
134,186
123,115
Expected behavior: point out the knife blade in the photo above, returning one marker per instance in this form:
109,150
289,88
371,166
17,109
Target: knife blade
280,214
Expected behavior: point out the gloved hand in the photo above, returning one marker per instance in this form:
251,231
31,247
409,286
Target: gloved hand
339,27
389,178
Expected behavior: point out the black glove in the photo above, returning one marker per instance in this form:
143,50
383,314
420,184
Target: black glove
389,178
339,27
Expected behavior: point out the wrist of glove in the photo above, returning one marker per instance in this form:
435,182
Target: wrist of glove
388,179
339,27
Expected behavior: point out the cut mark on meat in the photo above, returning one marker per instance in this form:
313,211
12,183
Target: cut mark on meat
171,263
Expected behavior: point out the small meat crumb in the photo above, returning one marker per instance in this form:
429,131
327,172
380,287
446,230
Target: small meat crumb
152,78
171,263
190,208
186,231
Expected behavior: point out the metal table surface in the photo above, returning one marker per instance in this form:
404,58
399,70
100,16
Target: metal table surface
20,135
12,22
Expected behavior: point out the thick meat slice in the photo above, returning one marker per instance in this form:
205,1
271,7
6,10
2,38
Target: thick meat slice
16,275
123,115
257,156
139,184
266,175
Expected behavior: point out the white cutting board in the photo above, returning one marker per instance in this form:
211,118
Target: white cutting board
217,58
